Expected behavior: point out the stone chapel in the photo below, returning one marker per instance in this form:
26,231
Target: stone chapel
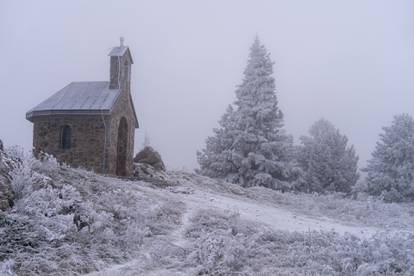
91,124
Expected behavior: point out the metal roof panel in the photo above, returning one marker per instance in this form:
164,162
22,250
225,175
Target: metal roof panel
85,96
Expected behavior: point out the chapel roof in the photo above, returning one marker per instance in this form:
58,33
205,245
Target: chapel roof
80,98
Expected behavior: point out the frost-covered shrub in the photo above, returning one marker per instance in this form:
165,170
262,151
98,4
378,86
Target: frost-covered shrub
164,217
219,255
328,163
23,176
40,235
7,164
29,173
222,253
225,245
390,171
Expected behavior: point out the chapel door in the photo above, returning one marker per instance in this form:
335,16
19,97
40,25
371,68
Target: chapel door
122,148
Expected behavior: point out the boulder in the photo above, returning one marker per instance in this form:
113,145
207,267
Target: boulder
148,173
6,194
151,157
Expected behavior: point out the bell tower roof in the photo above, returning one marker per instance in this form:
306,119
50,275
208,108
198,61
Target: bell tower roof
121,50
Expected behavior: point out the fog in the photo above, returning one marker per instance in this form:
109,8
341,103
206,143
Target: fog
350,62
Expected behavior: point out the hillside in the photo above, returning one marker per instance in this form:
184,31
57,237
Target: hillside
187,224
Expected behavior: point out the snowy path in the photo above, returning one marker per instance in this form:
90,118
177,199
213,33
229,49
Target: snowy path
177,237
273,217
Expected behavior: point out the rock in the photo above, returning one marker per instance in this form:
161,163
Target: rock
148,173
6,194
81,222
151,157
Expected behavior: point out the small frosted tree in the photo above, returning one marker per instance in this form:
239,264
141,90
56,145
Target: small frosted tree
390,171
250,147
328,163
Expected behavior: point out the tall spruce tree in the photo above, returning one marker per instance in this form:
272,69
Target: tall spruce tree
250,147
328,163
390,171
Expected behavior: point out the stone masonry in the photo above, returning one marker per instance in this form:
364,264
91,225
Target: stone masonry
88,137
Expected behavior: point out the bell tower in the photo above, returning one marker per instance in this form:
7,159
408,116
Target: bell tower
120,67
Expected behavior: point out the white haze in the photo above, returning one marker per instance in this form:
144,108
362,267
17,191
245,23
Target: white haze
350,62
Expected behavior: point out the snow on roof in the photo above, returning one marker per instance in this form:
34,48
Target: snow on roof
78,97
120,51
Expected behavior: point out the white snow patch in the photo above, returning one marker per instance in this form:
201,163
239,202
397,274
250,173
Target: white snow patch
275,218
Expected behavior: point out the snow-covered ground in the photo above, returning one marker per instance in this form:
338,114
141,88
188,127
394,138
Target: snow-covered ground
269,216
194,225
277,218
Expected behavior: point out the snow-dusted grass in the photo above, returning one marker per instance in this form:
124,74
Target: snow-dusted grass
39,237
366,211
222,244
197,226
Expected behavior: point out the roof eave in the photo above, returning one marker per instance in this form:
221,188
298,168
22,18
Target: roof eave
33,114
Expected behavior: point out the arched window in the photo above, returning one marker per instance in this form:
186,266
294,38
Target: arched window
65,137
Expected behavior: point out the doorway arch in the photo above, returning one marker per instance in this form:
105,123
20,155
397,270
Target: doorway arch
122,148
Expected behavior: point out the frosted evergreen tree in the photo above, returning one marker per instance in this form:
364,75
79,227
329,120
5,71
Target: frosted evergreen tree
250,147
328,163
390,171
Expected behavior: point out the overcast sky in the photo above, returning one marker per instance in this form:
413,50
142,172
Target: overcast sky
350,62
